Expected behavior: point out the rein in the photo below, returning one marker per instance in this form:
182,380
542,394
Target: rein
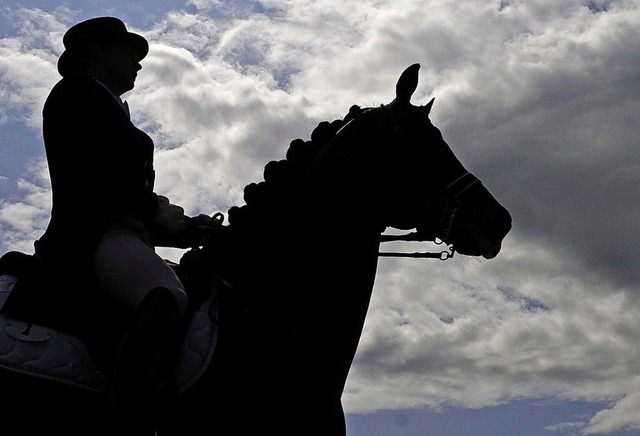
415,237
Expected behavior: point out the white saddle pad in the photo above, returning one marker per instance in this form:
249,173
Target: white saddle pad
51,354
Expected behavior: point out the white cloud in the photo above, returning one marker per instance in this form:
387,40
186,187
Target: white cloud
564,426
458,337
23,222
622,415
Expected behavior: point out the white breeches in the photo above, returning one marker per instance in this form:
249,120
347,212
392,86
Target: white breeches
127,267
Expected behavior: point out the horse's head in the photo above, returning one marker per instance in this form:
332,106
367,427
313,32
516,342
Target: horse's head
429,188
380,167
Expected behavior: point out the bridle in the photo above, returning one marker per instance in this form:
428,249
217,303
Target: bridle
449,198
441,209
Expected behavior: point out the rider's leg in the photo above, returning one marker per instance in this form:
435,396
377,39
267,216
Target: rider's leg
130,273
146,355
126,267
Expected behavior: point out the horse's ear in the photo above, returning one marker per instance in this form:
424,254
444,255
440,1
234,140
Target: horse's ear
407,84
427,107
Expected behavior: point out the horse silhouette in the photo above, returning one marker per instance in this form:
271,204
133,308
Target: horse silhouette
288,280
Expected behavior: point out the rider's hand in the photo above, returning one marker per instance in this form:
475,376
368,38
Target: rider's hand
204,221
169,216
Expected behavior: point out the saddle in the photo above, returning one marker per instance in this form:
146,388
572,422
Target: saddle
39,337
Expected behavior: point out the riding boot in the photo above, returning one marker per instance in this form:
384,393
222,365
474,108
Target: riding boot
147,354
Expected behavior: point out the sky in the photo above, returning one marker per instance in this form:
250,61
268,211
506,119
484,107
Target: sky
538,98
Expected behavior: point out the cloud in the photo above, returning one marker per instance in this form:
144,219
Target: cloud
619,416
537,98
23,222
458,336
214,126
26,73
564,426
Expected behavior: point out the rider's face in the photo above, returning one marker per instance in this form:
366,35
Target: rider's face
119,66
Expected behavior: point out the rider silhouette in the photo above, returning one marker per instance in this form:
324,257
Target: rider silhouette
108,219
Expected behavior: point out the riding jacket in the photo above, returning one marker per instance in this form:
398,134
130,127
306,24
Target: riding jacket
100,164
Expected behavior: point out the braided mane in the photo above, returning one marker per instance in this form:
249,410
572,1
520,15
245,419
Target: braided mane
265,198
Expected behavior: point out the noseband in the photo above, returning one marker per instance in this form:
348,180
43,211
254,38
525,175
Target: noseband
448,198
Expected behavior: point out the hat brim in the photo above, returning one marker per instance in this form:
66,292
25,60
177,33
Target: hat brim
139,43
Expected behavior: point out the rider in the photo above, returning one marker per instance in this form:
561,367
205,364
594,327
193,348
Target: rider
107,217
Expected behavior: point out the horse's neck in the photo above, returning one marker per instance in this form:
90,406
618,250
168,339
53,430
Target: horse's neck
342,191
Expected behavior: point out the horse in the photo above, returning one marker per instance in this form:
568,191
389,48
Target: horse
289,279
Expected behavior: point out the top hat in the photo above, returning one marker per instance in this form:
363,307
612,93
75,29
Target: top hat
100,30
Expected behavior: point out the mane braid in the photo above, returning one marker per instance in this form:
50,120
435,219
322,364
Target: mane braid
265,198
